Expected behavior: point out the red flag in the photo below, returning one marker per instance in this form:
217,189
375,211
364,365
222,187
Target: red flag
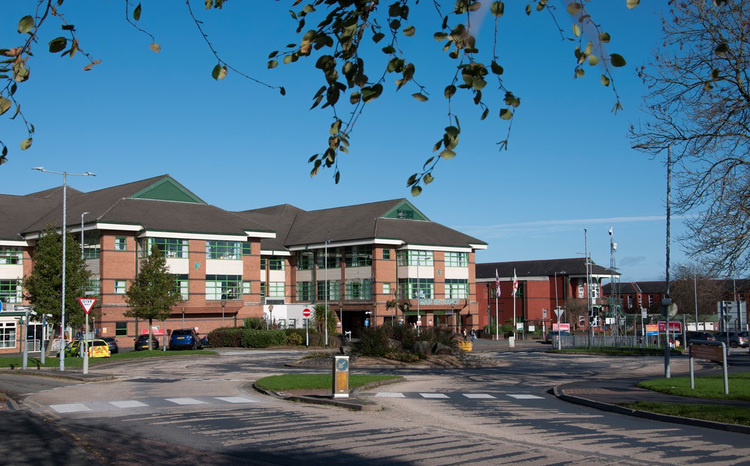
515,282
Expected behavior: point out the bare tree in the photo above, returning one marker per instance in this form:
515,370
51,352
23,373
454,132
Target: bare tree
690,281
699,105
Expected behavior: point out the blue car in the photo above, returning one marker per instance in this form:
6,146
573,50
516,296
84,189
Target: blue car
185,338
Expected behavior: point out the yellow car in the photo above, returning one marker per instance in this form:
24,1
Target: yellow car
97,348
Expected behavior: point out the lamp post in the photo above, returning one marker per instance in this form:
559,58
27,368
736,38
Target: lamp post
325,259
83,255
223,303
64,225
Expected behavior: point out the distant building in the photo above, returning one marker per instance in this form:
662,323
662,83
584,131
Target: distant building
543,286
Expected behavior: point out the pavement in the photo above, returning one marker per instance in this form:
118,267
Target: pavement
609,395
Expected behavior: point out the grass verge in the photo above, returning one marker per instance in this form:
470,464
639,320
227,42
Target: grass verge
16,362
616,351
711,387
286,382
716,413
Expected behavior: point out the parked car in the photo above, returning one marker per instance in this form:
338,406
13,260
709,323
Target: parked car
96,349
141,342
734,339
695,336
185,338
554,333
112,343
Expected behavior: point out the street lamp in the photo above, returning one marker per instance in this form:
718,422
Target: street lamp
223,303
325,259
64,225
83,256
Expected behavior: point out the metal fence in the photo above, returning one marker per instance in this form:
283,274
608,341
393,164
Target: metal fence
607,341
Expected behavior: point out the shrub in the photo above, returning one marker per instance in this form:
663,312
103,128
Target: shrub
263,338
255,323
294,339
225,337
373,342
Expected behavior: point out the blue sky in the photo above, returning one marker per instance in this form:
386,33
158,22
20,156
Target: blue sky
240,145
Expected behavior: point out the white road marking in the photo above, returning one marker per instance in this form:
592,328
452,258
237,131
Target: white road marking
186,401
389,395
69,408
526,397
236,399
479,396
128,404
434,395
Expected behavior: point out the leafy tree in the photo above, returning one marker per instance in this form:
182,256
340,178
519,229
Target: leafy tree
153,293
319,319
359,48
698,107
44,285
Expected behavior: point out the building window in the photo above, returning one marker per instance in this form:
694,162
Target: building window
650,300
224,250
411,288
456,259
581,290
247,248
121,243
7,335
334,290
274,263
181,285
246,288
360,290
171,248
386,253
92,245
11,255
386,289
414,258
358,256
220,287
630,301
274,290
594,290
93,287
456,288
334,259
11,291
120,286
121,329
305,260
304,291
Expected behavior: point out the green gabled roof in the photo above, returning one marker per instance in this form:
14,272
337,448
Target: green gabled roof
167,189
405,210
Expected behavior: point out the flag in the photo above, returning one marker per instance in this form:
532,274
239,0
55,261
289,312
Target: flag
515,282
497,284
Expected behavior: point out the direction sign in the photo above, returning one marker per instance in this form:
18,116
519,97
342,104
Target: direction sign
87,304
306,312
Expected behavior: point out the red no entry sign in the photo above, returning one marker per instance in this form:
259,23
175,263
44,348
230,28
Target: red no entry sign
306,312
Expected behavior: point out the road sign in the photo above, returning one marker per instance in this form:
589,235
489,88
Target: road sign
87,304
674,326
306,312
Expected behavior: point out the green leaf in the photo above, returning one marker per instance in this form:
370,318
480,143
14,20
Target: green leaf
26,143
412,179
449,91
447,154
497,9
617,60
428,179
593,60
156,48
576,30
416,191
219,72
409,31
26,24
57,44
721,50
420,97
485,113
496,68
452,131
604,37
505,114
633,3
440,36
137,12
605,80
5,105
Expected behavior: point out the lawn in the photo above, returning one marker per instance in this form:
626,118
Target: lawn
705,387
16,361
289,382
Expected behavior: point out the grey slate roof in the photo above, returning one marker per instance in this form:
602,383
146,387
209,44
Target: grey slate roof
362,222
115,205
538,268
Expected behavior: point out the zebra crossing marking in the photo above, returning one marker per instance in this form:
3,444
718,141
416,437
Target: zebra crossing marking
236,399
70,408
185,401
525,397
434,395
479,396
128,404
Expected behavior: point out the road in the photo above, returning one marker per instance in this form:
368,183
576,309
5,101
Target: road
203,411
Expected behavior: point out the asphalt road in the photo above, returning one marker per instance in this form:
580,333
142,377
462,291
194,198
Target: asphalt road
203,411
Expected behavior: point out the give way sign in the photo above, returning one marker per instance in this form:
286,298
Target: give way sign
87,303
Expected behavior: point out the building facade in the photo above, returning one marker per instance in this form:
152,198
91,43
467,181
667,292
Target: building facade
371,263
548,292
